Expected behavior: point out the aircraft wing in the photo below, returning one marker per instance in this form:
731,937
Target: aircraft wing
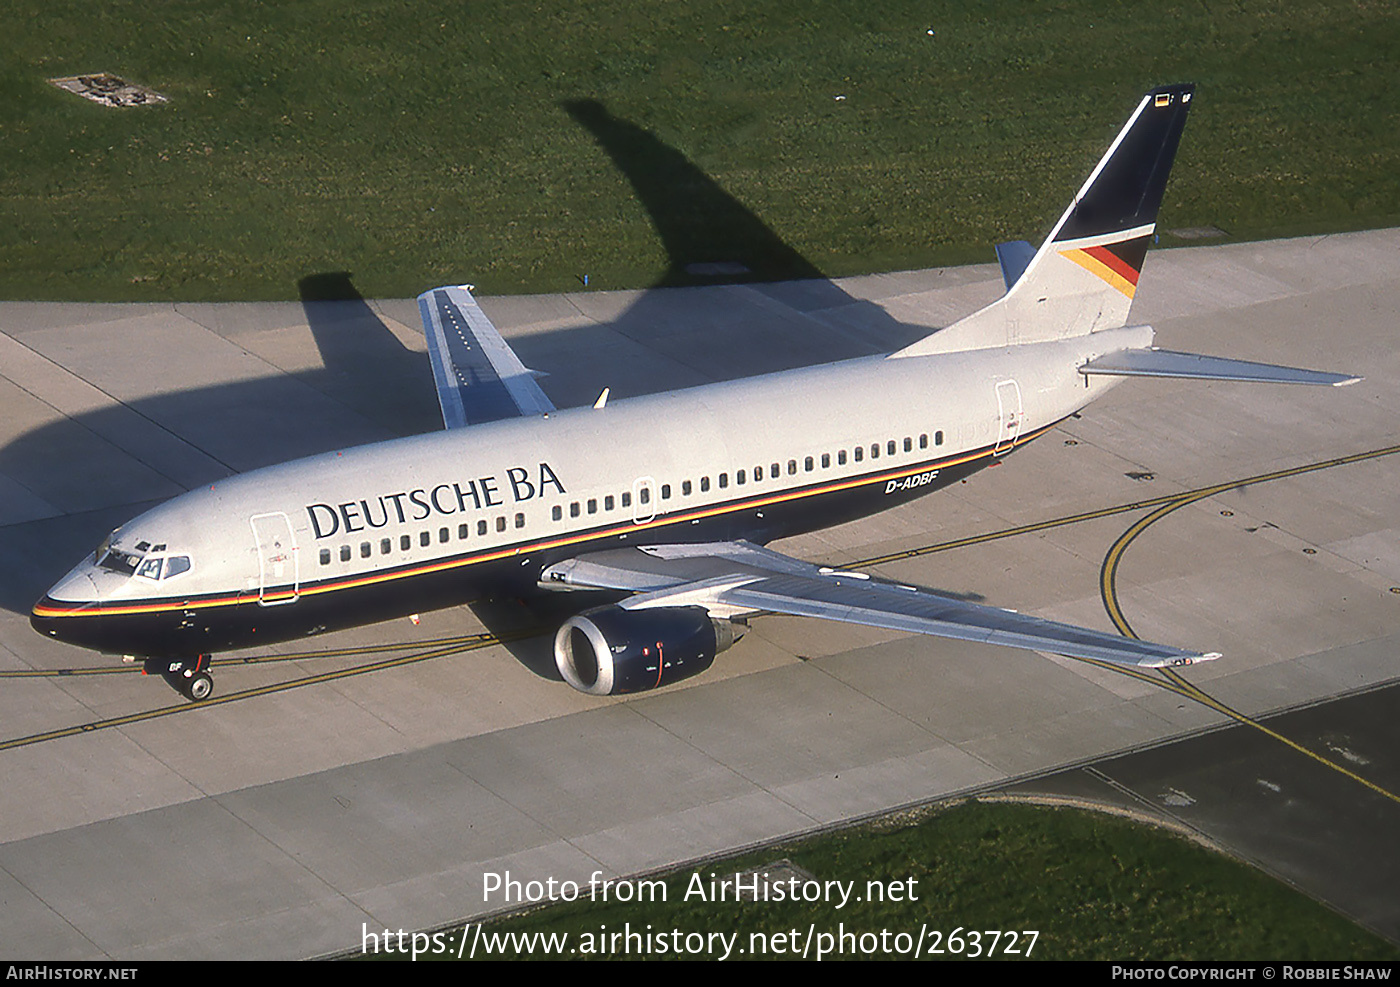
733,578
478,376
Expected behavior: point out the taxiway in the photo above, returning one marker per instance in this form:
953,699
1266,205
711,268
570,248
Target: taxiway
312,798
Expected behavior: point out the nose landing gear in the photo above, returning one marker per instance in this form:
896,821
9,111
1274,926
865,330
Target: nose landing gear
186,676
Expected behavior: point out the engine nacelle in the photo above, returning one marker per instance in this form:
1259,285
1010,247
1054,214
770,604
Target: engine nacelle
609,651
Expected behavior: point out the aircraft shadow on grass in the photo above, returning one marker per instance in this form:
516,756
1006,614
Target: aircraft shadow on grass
710,239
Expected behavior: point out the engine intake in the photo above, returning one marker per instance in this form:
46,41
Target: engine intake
609,651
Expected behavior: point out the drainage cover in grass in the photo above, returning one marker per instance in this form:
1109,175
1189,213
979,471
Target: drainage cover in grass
109,90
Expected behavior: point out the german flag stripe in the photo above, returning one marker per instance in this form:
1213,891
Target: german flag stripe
1105,255
53,608
1091,263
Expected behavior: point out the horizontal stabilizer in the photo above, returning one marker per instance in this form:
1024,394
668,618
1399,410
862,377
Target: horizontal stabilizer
1014,256
1166,363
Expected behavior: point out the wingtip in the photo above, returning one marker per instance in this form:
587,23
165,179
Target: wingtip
1179,661
468,288
1197,659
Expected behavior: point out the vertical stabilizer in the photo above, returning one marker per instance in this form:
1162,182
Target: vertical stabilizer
1083,277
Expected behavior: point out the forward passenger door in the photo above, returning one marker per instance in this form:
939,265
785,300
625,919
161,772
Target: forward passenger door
278,559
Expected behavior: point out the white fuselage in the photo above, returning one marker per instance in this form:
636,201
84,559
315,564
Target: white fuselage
651,467
409,525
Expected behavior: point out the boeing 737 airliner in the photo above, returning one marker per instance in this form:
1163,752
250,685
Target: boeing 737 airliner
666,500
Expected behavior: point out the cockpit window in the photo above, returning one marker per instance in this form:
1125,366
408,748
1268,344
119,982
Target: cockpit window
152,567
115,561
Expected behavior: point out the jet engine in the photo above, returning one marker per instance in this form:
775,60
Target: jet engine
609,651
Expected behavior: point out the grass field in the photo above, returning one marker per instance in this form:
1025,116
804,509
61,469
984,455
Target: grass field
1094,887
521,146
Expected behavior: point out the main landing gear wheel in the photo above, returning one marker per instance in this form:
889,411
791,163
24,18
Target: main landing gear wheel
187,677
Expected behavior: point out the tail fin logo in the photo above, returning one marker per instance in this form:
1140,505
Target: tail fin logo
1083,278
1118,262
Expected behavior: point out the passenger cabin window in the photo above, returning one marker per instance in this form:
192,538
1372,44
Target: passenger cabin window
345,553
704,483
665,491
325,556
520,520
501,522
757,474
385,546
557,512
425,538
890,447
860,454
574,509
462,530
627,500
444,535
807,464
874,450
481,527
826,460
592,505
608,502
644,495
923,441
840,457
405,543
938,437
723,480
365,550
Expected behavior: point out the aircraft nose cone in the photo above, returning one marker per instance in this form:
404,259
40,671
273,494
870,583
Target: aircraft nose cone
73,594
77,589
